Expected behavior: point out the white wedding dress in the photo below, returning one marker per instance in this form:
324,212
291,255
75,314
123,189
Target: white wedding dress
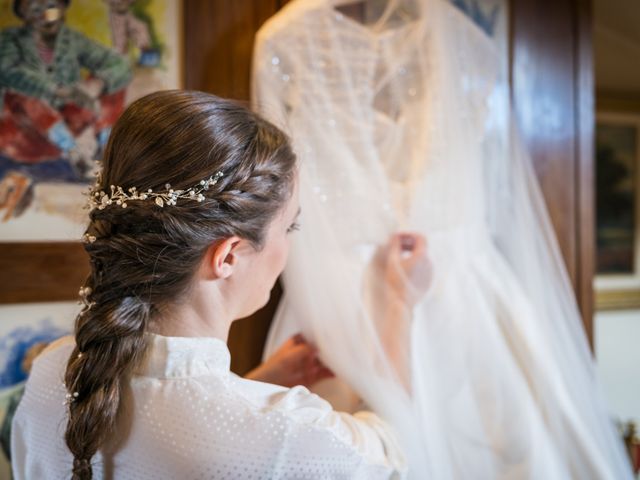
403,124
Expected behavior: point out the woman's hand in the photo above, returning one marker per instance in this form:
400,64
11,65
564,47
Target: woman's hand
296,362
401,276
406,268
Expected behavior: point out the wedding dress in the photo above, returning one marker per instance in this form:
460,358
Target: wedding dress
402,123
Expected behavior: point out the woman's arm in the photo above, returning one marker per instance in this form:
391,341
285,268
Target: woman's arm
402,275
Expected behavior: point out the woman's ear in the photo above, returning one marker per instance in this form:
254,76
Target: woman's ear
222,257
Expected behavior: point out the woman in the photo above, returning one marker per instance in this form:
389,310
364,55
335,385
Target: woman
189,230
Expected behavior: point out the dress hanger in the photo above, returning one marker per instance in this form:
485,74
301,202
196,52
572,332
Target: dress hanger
383,10
343,3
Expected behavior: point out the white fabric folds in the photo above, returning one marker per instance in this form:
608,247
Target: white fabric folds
402,122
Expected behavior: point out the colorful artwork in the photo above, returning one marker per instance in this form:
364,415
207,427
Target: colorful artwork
9,399
67,71
25,330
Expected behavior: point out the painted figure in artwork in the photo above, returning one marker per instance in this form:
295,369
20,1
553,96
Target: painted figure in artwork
132,32
60,93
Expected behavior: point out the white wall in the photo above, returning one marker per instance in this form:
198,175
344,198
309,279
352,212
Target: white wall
617,346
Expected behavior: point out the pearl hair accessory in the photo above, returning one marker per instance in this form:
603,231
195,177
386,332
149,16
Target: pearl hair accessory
118,196
70,397
84,293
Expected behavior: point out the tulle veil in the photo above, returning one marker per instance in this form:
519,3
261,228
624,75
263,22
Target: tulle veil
402,122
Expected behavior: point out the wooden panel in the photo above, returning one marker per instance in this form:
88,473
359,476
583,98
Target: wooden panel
552,85
543,94
219,43
615,101
42,272
585,180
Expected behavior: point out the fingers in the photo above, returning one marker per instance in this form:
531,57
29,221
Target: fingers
316,371
419,244
305,365
407,247
407,241
315,375
286,346
299,338
300,354
295,363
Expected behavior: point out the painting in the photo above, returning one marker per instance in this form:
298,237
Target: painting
25,330
67,71
618,210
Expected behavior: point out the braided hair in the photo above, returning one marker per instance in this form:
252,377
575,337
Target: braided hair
144,256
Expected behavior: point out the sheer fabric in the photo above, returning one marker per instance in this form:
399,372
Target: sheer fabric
402,122
186,416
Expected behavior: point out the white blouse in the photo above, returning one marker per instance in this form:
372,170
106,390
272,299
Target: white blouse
186,416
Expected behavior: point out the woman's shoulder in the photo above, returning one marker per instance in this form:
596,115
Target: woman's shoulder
49,366
65,343
312,421
44,391
294,402
296,406
56,350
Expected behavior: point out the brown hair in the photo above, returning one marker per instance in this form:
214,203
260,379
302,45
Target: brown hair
144,256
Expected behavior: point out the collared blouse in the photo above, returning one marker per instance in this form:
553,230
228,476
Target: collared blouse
186,416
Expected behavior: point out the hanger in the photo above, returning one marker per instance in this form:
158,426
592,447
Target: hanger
343,3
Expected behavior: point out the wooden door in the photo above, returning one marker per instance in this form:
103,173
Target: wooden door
553,95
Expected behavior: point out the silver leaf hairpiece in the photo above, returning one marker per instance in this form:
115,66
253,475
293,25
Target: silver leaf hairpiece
118,196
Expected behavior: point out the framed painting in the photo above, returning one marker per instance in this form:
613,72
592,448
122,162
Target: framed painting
617,210
68,68
25,330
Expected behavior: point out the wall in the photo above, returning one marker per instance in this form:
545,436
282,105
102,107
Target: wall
617,81
617,349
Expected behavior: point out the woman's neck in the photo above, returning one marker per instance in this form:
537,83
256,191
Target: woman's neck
203,314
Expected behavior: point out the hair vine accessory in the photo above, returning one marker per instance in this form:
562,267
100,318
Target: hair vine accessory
84,294
86,238
118,196
69,397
